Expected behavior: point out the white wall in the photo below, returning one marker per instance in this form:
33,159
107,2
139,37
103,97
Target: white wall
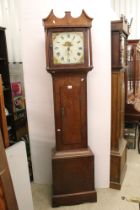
10,19
131,9
38,84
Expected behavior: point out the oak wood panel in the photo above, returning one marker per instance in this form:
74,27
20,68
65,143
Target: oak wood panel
70,111
118,166
117,113
115,45
77,169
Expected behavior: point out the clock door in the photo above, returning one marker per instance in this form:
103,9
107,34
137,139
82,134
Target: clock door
71,115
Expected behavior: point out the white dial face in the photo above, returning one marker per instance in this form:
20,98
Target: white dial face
68,47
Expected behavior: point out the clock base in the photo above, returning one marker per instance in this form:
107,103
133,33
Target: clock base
74,198
118,166
73,177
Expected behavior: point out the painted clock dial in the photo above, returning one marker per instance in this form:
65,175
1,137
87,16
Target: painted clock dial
68,47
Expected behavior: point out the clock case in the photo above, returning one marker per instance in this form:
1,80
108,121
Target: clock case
119,35
72,159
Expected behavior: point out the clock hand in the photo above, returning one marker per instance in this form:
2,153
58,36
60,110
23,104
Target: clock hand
68,51
68,54
73,38
67,44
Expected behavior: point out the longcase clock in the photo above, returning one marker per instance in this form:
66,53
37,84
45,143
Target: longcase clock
119,34
69,58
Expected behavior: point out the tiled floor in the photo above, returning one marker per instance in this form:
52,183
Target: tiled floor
108,199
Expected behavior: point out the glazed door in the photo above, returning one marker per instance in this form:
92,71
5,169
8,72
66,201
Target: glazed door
70,105
7,195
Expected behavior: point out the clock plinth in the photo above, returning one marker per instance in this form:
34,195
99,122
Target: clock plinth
69,58
118,166
73,177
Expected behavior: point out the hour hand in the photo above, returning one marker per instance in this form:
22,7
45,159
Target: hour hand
68,51
67,44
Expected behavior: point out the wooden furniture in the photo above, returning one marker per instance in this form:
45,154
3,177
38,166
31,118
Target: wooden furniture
3,121
7,195
132,84
69,58
4,71
119,34
132,81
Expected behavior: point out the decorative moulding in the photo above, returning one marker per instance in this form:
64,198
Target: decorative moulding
67,21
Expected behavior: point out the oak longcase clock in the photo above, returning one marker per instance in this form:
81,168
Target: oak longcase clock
68,59
119,34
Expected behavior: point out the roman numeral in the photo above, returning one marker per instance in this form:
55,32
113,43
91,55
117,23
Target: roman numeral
78,53
73,37
58,54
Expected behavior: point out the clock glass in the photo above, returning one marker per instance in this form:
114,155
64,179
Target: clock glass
68,47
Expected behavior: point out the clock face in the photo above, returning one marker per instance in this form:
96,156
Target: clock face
68,47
